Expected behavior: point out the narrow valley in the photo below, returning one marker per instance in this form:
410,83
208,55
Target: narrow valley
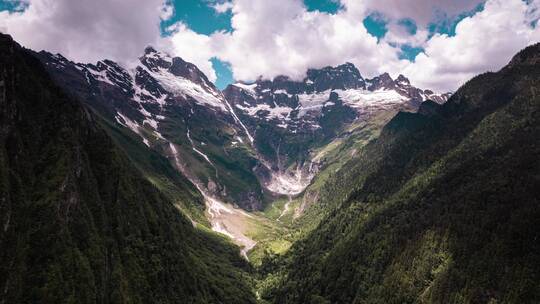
358,152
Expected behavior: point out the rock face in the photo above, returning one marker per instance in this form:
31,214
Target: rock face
291,118
299,106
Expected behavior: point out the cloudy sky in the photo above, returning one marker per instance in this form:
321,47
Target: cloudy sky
438,44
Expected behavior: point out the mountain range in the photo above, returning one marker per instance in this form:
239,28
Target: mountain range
177,111
148,184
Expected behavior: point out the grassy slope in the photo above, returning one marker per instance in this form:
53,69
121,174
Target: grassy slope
306,211
337,157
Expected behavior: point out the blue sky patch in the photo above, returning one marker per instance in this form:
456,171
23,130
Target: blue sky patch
409,25
12,6
326,6
199,16
223,73
376,25
447,25
409,52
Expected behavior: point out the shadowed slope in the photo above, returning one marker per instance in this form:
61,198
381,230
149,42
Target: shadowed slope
79,222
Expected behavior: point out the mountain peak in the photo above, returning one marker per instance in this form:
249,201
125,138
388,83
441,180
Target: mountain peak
402,80
149,50
347,67
188,70
383,81
344,76
343,69
155,60
386,77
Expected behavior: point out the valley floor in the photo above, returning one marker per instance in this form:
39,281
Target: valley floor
256,233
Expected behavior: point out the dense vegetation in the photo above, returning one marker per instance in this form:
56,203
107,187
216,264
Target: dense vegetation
441,208
79,222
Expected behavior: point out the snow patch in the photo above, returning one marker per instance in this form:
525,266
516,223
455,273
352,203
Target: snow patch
144,111
273,112
358,98
183,87
132,125
141,93
290,183
198,151
282,92
99,75
310,102
151,122
174,152
239,121
249,88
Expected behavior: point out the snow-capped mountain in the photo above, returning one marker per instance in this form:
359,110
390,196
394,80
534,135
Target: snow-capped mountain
290,119
174,109
236,144
294,105
160,75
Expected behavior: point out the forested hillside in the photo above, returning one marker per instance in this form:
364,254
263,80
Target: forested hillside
441,208
80,224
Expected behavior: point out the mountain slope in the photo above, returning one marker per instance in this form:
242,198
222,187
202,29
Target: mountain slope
80,224
293,121
176,111
233,157
441,208
250,143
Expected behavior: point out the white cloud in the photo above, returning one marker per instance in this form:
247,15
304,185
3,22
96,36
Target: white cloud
278,37
483,42
193,47
87,31
167,11
222,7
422,11
271,38
400,35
